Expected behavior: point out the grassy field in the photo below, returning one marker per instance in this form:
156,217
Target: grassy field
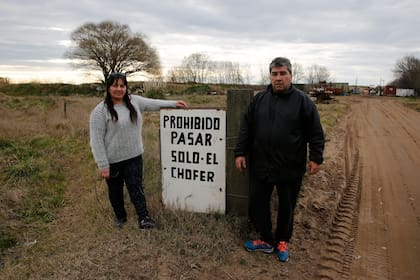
412,102
55,218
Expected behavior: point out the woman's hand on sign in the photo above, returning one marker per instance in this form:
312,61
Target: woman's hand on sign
240,163
181,104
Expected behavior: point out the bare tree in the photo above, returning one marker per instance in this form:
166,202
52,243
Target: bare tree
298,74
264,76
177,75
407,72
4,81
196,67
226,72
112,47
316,74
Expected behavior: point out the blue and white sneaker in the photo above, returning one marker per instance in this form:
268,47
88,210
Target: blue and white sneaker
258,245
283,251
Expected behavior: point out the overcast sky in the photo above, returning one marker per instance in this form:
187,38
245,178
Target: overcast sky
357,41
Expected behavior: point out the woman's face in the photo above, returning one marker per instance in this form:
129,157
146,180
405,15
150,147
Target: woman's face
117,91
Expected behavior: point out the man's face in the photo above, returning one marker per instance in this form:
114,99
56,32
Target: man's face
281,79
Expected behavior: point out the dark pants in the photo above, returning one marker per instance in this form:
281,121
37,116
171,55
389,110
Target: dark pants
260,211
131,172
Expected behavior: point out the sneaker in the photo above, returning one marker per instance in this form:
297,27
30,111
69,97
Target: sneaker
283,251
258,245
120,222
147,222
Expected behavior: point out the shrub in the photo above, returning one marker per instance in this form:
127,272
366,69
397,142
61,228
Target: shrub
156,93
197,89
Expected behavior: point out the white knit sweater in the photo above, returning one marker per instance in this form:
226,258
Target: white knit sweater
112,141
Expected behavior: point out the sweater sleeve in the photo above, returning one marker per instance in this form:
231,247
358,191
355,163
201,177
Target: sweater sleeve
149,104
97,130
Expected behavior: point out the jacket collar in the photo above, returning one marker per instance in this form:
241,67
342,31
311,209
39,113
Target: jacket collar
286,92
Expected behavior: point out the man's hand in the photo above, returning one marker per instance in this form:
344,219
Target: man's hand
313,167
240,163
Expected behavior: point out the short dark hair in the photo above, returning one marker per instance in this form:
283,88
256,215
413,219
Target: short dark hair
281,61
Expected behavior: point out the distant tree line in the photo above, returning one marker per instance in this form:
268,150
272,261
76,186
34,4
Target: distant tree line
199,68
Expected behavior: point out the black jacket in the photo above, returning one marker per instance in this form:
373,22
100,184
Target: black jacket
275,132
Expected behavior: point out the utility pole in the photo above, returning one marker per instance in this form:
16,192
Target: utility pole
355,87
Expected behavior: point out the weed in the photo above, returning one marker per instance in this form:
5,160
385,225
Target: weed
156,93
242,262
29,103
197,89
7,240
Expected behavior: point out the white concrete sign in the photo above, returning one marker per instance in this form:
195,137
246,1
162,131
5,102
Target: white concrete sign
193,159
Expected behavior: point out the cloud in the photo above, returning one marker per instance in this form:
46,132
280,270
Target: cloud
354,39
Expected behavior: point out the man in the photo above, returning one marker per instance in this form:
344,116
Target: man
275,131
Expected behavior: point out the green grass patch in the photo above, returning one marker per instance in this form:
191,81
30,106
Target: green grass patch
45,89
200,99
29,102
197,89
7,240
217,101
34,167
155,93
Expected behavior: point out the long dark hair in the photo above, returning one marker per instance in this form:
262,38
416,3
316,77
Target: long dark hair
108,100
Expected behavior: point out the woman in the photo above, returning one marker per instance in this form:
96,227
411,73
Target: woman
117,147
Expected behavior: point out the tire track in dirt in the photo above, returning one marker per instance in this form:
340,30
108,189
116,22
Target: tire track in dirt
372,213
337,256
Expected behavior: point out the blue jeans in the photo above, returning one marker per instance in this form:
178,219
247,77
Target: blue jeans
129,171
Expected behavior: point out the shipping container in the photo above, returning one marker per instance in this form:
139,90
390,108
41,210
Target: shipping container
390,91
405,92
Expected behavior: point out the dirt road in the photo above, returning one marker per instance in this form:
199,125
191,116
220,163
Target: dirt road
376,230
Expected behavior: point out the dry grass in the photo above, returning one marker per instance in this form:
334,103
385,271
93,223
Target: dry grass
331,113
78,240
411,102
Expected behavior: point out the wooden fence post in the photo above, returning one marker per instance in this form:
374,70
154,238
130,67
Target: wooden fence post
65,108
237,184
